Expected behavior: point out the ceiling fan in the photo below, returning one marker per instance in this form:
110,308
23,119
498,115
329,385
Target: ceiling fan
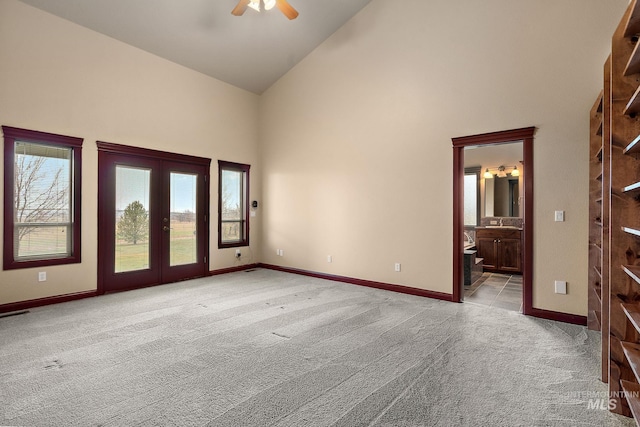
283,5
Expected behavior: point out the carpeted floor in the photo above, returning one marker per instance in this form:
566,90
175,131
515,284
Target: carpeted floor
265,348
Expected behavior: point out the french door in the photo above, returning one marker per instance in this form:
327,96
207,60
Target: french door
153,217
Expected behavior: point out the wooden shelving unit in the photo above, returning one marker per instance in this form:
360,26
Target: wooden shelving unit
621,214
594,313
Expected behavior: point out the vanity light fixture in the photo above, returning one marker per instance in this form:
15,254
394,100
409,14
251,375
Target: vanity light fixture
501,172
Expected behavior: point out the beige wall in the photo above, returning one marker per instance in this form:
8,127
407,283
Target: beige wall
355,141
62,78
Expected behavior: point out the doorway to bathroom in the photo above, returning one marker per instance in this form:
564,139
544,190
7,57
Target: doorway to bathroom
493,211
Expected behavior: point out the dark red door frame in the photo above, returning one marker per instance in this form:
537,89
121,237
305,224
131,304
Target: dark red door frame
516,135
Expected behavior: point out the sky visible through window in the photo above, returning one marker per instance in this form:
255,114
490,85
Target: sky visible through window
132,184
231,188
183,192
45,182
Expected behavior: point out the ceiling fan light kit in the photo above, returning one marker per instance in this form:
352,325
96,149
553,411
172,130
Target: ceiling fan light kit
258,5
255,4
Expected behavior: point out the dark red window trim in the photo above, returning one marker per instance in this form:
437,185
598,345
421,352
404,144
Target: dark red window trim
11,135
224,165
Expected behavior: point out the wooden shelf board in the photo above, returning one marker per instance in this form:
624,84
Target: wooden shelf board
633,24
598,200
599,177
632,392
633,65
600,101
630,230
632,271
633,188
597,270
632,311
597,293
593,321
618,194
599,131
634,146
633,106
632,352
598,223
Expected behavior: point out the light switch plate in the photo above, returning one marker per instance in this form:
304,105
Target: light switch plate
559,216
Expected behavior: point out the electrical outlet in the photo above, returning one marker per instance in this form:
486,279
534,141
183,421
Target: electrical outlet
42,276
559,216
561,287
329,259
238,253
279,252
397,267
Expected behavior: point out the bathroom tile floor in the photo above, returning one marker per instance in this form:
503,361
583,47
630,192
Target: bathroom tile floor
496,290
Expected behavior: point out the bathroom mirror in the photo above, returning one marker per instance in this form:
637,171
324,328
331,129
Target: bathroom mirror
502,196
498,197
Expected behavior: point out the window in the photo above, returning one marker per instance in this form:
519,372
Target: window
41,198
233,204
472,196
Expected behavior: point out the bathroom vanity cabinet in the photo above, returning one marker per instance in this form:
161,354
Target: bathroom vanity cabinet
500,249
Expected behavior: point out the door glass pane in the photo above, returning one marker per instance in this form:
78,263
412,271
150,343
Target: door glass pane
132,219
183,230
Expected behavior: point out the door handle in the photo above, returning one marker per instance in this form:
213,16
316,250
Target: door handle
165,228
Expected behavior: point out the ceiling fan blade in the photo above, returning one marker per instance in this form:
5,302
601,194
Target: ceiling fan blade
287,9
240,8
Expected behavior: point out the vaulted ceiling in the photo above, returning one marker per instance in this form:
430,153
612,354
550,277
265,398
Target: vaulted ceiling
251,52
